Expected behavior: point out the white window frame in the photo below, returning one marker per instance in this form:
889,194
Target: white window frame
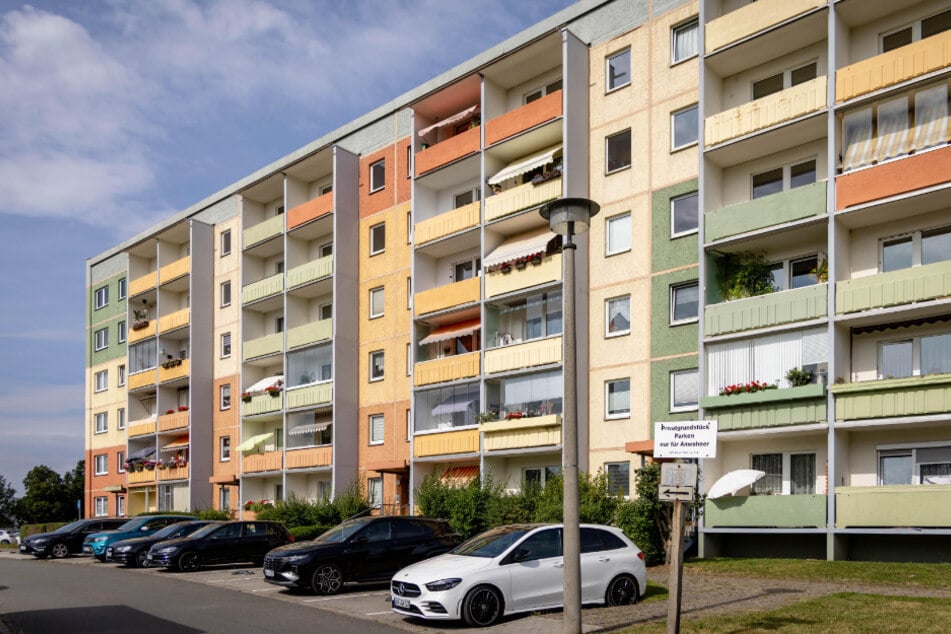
120,462
673,303
607,151
101,421
224,396
786,76
608,87
915,31
409,359
122,331
377,171
542,473
786,266
474,194
915,343
375,492
121,378
225,345
675,31
224,449
374,292
684,408
224,291
910,449
543,91
101,379
373,355
608,223
120,418
101,464
224,243
102,297
916,245
787,175
673,128
608,414
325,250
122,288
101,506
607,316
409,425
101,338
374,239
376,431
673,215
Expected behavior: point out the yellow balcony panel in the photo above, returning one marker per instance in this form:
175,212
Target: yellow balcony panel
895,288
460,366
446,443
320,394
141,379
150,329
176,420
521,433
313,457
146,476
173,473
306,273
447,223
143,283
173,321
904,63
447,296
548,271
263,231
765,112
263,288
177,368
268,344
523,355
893,398
522,197
919,506
753,18
268,461
310,333
141,427
174,270
261,404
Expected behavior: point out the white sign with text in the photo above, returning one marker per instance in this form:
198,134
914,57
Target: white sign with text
685,439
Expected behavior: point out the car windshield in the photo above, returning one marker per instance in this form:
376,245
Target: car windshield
174,530
69,528
341,532
205,530
130,525
491,543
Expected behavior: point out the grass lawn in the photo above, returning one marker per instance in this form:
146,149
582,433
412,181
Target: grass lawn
870,572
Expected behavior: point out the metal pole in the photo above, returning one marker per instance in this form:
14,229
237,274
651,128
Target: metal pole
572,529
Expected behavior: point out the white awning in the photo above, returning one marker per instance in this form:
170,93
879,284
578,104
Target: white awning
265,383
309,428
451,331
526,244
524,165
254,441
454,404
459,116
179,443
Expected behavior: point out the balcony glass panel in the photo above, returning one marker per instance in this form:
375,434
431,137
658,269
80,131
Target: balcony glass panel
313,365
447,407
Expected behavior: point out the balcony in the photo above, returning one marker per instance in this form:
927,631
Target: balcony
766,511
522,433
138,334
173,473
144,283
146,476
311,210
177,369
175,270
313,457
768,408
267,461
893,398
446,443
262,231
765,311
447,296
749,20
522,197
460,366
310,272
268,344
141,379
919,506
523,118
141,427
523,355
176,420
310,333
261,404
447,223
895,288
445,152
766,112
795,204
891,68
321,394
912,173
548,270
262,288
173,321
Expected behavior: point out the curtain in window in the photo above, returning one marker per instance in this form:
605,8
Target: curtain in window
520,391
774,356
857,139
772,482
815,346
685,42
803,473
893,129
931,117
619,397
896,359
936,354
619,315
727,364
686,388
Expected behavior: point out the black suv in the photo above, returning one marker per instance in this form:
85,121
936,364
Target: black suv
220,543
363,549
67,540
133,552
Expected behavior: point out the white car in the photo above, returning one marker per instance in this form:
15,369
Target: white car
518,568
8,537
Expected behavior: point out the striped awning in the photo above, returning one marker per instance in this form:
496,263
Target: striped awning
179,443
451,331
462,474
141,453
254,441
524,245
263,384
309,428
525,165
459,116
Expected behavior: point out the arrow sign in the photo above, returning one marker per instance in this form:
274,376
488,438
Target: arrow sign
675,493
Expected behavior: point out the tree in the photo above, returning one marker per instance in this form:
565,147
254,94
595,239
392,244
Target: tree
7,503
74,484
46,499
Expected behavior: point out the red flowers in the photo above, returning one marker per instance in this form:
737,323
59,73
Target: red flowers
747,388
514,415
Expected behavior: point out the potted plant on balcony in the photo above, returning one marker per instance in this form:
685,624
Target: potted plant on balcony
745,274
183,408
246,397
798,377
169,411
536,259
274,390
514,415
150,465
747,388
505,267
487,417
521,263
162,465
821,272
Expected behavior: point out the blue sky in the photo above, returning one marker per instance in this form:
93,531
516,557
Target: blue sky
117,113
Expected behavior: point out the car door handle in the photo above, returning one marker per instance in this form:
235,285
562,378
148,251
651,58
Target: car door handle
560,565
604,559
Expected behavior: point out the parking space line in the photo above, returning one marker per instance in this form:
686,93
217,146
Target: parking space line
378,613
341,596
266,590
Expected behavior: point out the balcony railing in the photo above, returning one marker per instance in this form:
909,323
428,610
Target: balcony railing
768,408
523,355
178,368
765,112
522,433
141,427
904,63
766,511
548,271
891,398
307,396
447,296
310,272
146,476
141,379
764,311
173,473
795,204
910,173
749,20
263,288
268,461
919,506
310,333
460,366
447,151
263,231
523,118
177,420
522,197
446,443
261,404
895,288
313,457
173,321
311,210
143,283
138,334
174,270
447,223
268,344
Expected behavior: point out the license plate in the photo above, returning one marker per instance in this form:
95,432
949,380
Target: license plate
268,573
400,602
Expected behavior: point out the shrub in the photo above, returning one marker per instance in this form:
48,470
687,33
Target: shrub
46,527
295,512
645,519
212,514
305,533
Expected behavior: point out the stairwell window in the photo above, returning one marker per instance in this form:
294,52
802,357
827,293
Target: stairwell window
618,70
377,175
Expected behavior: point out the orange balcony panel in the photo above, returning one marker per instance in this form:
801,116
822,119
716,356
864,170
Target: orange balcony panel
269,461
176,420
172,321
447,151
459,366
312,209
173,473
894,177
144,283
141,379
313,457
447,296
150,329
523,118
893,67
141,427
175,370
175,270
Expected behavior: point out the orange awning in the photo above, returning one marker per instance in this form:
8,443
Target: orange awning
179,443
524,245
451,331
461,474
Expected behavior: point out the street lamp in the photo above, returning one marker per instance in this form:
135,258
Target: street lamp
569,217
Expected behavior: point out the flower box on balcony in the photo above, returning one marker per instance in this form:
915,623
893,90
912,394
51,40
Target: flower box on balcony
816,390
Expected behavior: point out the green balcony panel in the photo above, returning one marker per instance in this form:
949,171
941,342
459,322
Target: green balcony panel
919,506
308,396
305,273
764,311
769,408
263,231
310,333
915,284
890,398
263,288
269,344
766,511
261,404
795,204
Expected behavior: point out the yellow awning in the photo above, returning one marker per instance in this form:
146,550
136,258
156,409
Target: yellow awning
520,246
525,165
254,441
179,443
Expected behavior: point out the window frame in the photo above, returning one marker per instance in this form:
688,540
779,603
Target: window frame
610,87
120,462
101,506
101,381
224,448
673,407
224,290
374,239
673,303
914,27
673,215
373,377
608,333
101,297
120,418
377,169
786,77
120,375
916,237
673,128
374,421
619,414
786,177
224,396
101,417
607,152
121,331
627,485
608,251
224,344
224,243
692,23
379,291
122,288
101,339
101,464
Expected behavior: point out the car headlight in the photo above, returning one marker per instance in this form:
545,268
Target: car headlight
123,549
165,550
39,541
443,584
99,540
296,559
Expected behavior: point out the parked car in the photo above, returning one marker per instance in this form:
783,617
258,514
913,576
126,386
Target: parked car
96,543
220,543
133,552
9,536
363,549
518,568
68,539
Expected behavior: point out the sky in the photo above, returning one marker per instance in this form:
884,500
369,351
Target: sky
115,114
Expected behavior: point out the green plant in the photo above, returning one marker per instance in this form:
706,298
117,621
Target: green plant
797,377
487,417
744,274
821,271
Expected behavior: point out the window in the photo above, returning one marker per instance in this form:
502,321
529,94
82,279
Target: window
783,178
683,41
120,418
102,422
617,398
224,448
376,365
916,249
783,80
102,380
794,273
684,303
684,218
618,149
618,70
102,338
539,476
101,506
142,355
409,425
375,492
225,294
102,297
684,390
122,286
930,464
447,407
683,128
121,373
225,345
120,505
617,316
545,90
765,358
917,31
466,197
224,396
376,429
224,498
538,394
310,365
409,359
786,473
916,356
378,238
102,464
278,325
121,328
802,471
466,269
120,462
225,243
377,302
617,234
326,311
526,318
409,293
619,478
409,227
772,465
377,175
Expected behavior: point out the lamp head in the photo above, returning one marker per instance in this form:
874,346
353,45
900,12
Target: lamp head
570,216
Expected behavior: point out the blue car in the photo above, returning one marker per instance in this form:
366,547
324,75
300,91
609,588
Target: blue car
96,543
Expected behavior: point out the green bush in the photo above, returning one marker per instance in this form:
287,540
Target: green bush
46,527
212,514
305,533
295,512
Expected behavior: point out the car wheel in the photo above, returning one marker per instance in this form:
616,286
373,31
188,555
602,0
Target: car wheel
327,579
189,561
622,590
141,559
482,606
59,550
5,541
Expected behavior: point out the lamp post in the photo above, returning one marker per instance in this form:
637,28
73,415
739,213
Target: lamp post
569,217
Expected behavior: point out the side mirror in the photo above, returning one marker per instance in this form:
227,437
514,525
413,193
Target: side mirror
521,554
